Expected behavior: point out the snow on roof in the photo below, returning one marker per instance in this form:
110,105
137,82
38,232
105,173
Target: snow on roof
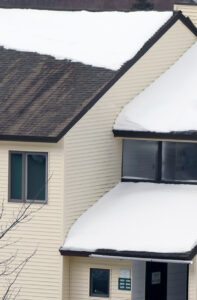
102,39
169,104
139,217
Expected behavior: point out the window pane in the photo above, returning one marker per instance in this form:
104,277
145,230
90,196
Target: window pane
99,282
140,159
16,176
179,161
36,173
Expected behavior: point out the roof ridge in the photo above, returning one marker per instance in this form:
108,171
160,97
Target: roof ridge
177,15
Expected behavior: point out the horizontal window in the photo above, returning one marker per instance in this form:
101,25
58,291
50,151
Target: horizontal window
159,161
99,282
28,176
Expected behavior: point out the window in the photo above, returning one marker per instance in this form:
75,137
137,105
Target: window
140,159
179,161
99,282
159,161
28,176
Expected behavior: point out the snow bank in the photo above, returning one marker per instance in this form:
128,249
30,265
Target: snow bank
169,104
104,39
139,217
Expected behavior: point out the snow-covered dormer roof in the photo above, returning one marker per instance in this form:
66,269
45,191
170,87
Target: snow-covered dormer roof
102,39
167,105
139,219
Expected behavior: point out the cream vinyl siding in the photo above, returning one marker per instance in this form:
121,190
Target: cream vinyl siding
92,154
189,11
193,280
80,278
41,278
66,278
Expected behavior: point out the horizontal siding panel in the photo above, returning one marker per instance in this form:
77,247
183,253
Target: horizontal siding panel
189,11
80,273
193,280
42,276
93,155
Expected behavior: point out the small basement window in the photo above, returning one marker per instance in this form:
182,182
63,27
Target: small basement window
27,176
159,161
99,282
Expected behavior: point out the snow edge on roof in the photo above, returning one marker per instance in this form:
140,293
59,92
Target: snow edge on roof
175,17
101,40
185,256
134,196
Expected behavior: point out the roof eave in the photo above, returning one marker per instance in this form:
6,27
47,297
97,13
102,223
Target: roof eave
184,256
21,138
182,135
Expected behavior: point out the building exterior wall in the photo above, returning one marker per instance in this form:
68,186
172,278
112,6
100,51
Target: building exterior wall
177,281
92,154
138,280
41,279
189,11
80,278
81,168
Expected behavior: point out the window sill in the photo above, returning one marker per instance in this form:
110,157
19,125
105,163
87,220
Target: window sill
27,201
127,179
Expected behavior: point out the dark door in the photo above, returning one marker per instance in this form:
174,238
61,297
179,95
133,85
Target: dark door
156,281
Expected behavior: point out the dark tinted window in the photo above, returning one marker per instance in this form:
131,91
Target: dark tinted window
179,162
99,282
140,159
36,173
28,176
16,176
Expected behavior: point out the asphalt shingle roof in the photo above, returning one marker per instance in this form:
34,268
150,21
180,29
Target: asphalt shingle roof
40,96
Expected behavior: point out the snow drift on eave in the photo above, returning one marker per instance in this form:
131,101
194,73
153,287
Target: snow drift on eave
169,104
139,217
102,39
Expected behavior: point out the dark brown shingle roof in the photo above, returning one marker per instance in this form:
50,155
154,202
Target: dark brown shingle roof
93,5
40,96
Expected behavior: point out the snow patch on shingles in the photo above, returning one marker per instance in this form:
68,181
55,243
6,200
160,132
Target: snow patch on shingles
103,39
169,104
139,217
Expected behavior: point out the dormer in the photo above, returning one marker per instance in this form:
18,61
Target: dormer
159,127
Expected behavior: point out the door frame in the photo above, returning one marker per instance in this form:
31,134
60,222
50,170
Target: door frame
146,284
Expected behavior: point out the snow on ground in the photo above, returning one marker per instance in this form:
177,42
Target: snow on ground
169,104
139,217
103,39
